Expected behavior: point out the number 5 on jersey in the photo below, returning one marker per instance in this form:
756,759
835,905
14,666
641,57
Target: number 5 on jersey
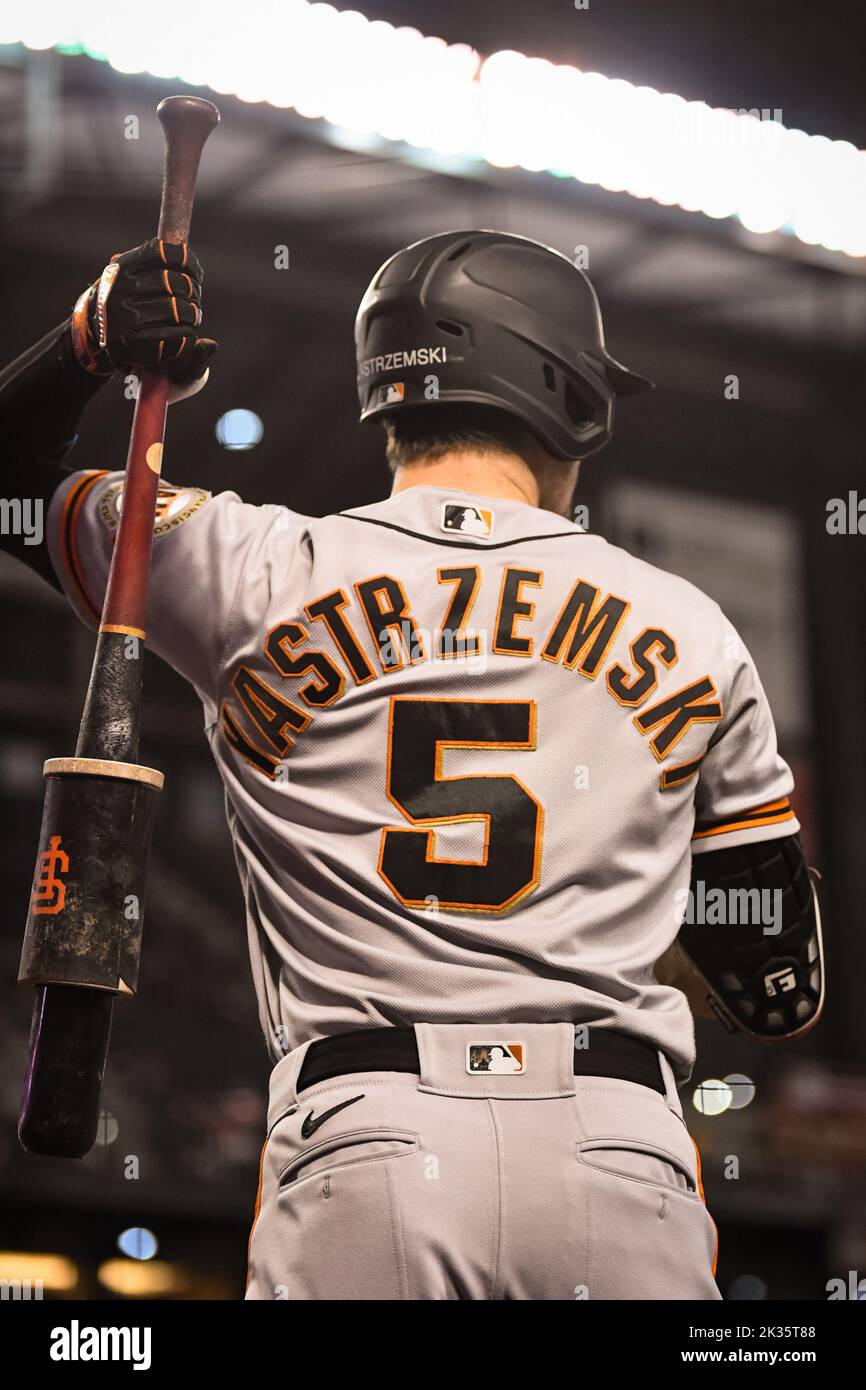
419,730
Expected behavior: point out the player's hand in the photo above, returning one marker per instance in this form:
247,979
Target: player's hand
145,311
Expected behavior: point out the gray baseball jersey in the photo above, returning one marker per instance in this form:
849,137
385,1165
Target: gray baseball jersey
468,750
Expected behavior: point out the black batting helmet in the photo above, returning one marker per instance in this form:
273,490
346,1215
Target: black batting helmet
493,319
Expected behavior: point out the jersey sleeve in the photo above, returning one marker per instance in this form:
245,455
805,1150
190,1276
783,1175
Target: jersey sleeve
743,787
203,546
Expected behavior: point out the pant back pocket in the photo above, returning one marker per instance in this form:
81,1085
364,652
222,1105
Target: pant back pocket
639,1161
347,1149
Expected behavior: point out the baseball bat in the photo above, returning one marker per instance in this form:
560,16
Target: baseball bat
100,800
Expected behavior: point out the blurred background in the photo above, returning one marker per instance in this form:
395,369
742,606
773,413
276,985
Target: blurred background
729,253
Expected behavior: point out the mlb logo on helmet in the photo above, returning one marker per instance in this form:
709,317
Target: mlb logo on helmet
473,521
497,1058
391,392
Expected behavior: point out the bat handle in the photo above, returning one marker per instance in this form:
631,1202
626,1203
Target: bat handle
63,1086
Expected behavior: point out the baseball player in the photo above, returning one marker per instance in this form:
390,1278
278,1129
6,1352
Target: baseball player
483,770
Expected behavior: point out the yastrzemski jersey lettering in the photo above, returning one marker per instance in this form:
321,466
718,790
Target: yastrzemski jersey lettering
465,773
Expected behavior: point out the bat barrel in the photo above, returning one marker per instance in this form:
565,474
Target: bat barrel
69,1036
82,940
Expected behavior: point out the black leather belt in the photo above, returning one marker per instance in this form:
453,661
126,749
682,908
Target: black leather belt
395,1049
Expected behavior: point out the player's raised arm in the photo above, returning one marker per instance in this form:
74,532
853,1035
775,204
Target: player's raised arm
143,309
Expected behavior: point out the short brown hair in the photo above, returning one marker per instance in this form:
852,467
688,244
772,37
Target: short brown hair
431,431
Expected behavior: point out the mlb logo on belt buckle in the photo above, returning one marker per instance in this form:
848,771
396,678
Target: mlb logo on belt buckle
497,1058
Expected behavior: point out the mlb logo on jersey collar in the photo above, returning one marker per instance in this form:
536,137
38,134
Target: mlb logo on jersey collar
496,1058
472,521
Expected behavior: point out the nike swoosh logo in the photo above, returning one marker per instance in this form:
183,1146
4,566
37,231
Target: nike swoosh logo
312,1121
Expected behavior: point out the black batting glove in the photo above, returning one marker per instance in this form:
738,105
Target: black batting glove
145,311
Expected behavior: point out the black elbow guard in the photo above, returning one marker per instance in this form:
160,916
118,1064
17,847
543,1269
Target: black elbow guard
753,932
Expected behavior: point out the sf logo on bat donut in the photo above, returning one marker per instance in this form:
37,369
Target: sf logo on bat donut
503,1059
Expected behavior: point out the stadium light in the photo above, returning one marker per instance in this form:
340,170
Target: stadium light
25,1273
511,110
712,1097
239,429
137,1243
132,1279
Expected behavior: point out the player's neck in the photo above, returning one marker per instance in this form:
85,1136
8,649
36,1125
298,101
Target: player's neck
502,475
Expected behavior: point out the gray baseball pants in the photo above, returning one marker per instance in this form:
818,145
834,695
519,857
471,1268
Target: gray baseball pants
448,1185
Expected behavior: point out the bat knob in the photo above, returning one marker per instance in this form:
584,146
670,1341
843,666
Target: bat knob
192,114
